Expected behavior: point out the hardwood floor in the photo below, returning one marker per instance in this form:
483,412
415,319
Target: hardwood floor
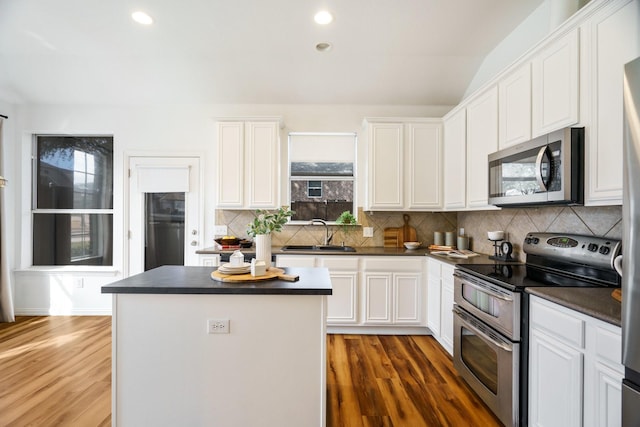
57,371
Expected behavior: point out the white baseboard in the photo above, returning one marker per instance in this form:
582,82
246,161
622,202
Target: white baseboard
75,312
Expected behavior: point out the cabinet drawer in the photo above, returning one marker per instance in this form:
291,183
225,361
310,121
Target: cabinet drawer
555,322
339,263
609,345
399,264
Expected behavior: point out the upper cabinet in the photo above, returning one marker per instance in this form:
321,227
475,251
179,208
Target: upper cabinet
455,165
514,105
612,38
482,139
404,161
555,85
248,164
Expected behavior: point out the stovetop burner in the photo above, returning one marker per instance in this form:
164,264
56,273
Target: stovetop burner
556,260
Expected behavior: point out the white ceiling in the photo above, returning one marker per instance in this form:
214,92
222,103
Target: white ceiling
395,52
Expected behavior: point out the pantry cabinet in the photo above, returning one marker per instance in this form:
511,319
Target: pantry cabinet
575,370
248,164
440,302
455,160
482,139
612,38
404,164
555,85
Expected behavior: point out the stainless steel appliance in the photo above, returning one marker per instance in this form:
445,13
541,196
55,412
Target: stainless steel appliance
546,170
490,348
631,255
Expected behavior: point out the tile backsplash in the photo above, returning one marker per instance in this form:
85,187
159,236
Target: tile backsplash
516,222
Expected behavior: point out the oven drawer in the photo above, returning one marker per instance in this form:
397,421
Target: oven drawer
496,306
490,364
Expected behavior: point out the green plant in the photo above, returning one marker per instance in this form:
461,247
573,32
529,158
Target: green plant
346,218
266,222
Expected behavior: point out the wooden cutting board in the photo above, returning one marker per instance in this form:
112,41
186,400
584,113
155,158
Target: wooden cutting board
617,294
272,273
393,238
409,233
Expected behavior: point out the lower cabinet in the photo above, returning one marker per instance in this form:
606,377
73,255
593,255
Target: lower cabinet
440,302
209,260
575,373
371,293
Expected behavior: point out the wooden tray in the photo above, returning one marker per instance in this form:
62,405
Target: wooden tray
272,274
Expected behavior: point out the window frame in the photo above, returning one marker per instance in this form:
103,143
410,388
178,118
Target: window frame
34,210
323,178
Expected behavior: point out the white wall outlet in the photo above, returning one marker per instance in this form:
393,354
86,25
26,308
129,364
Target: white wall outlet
78,282
220,230
367,231
218,326
461,231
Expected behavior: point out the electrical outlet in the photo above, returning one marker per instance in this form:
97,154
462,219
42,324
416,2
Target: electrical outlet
367,231
220,230
462,231
78,282
218,326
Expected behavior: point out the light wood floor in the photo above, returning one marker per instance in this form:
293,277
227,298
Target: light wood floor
56,371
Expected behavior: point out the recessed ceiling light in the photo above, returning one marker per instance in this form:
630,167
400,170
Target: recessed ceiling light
323,17
323,46
142,18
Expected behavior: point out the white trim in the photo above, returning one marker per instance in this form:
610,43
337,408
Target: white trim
73,312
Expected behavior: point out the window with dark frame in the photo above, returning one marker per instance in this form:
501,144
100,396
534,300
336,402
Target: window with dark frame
314,189
72,200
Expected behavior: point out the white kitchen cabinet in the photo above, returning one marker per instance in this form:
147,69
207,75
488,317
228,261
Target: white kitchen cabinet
555,85
612,38
248,164
404,162
514,103
455,160
392,291
482,139
440,302
575,373
209,260
342,304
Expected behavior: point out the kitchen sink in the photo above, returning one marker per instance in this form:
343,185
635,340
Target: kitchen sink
318,248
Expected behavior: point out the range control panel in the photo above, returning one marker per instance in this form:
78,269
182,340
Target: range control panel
589,250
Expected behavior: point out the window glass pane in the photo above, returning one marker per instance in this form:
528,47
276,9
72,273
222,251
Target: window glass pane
164,234
72,239
336,197
74,172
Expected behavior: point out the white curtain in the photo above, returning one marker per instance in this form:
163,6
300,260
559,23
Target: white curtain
6,298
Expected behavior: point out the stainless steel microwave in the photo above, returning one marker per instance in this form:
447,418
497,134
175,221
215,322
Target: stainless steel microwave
546,170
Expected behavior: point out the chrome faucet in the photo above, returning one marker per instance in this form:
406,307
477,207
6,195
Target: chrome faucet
327,237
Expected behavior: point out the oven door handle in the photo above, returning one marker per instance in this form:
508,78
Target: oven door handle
477,331
542,181
486,290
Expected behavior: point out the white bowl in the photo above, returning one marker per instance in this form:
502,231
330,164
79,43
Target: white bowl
495,235
412,245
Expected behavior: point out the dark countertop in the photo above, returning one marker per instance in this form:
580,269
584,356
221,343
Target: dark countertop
362,251
594,302
171,279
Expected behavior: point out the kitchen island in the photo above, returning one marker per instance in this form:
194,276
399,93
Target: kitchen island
266,368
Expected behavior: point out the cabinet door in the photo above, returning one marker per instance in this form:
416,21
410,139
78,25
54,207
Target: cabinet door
341,304
555,382
555,85
482,139
615,40
262,165
407,298
446,310
423,157
433,302
385,189
212,260
455,165
608,397
514,118
230,164
377,298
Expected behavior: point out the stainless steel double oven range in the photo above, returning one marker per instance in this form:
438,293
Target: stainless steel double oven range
491,312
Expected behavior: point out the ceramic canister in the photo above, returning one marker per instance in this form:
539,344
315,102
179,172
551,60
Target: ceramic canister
438,238
450,238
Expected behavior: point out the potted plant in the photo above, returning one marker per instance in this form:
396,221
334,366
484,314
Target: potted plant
346,221
261,228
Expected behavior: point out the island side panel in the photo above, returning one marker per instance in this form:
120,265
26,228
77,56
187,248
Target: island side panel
268,371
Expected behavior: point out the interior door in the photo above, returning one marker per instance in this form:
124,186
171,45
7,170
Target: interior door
164,212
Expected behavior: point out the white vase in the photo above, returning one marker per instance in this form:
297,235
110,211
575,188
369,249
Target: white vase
263,248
